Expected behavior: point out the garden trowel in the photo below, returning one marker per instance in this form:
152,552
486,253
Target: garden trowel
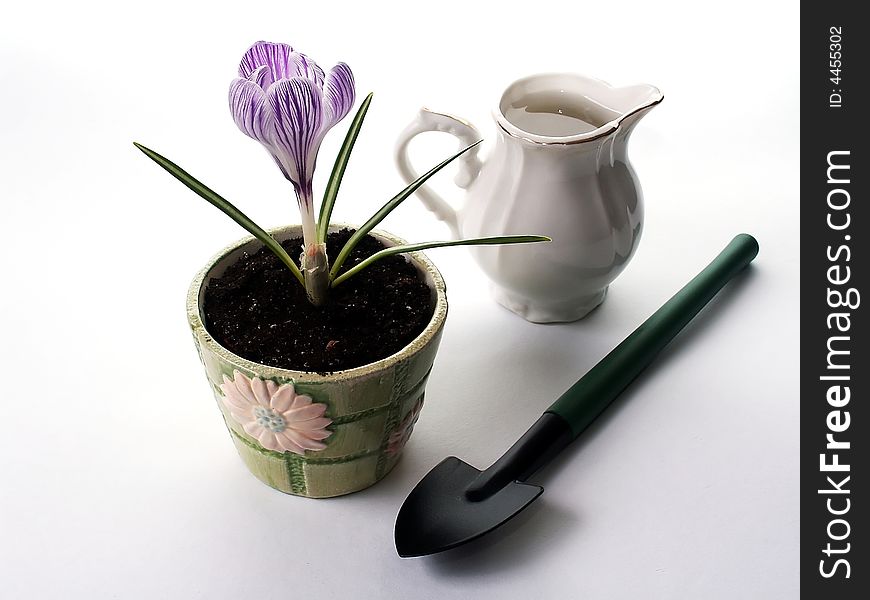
456,503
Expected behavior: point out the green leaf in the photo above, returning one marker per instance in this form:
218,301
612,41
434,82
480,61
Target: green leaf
338,168
503,239
224,205
387,208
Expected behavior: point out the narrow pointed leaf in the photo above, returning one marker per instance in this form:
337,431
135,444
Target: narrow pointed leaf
504,239
338,168
387,208
225,206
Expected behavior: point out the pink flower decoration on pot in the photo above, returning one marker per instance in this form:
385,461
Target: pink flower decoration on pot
276,416
403,430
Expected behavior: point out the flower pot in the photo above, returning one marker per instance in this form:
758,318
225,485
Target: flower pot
354,423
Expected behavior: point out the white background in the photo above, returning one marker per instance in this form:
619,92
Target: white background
118,477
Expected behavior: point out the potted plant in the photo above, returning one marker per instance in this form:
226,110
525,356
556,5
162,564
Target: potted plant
318,365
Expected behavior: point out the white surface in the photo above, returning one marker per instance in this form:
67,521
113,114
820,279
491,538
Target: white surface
118,478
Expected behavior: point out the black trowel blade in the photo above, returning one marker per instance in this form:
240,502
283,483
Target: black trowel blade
437,516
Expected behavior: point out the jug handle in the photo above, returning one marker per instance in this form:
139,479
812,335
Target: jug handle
469,163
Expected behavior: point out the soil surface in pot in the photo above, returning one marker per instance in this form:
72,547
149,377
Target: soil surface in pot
258,310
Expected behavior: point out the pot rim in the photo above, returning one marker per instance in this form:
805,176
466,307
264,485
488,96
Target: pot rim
420,260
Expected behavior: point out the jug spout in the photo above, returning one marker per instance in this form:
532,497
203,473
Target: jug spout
566,108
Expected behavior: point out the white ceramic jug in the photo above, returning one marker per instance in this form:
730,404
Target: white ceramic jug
559,168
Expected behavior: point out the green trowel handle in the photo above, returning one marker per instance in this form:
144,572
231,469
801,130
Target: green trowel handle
605,381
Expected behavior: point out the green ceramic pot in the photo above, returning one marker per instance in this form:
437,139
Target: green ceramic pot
358,420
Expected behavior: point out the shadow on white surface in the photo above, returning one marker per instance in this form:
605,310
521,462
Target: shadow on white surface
530,537
684,342
534,534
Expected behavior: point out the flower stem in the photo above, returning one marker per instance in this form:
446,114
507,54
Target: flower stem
305,199
314,261
315,270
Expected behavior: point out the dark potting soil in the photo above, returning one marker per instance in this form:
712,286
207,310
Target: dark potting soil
258,310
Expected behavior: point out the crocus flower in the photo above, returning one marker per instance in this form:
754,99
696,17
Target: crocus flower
285,101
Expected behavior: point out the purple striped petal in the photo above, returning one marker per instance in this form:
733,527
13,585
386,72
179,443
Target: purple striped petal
274,56
251,111
284,100
338,93
302,66
262,76
298,109
280,165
